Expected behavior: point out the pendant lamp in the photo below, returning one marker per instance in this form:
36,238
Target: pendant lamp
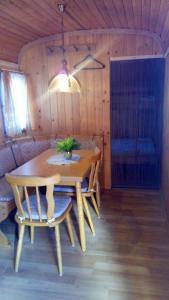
64,82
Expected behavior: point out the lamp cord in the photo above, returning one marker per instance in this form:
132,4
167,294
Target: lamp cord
62,24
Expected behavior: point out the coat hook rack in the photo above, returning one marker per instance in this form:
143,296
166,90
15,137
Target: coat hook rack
57,49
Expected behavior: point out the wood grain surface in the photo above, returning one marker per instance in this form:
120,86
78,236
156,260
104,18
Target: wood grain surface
128,259
39,166
89,112
24,21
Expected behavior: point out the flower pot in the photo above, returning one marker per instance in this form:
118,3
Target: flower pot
68,155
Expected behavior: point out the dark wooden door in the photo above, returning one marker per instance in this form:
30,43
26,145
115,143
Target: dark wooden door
136,122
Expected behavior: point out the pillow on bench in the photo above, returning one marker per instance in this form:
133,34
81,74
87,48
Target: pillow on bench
7,202
6,193
7,161
24,150
41,145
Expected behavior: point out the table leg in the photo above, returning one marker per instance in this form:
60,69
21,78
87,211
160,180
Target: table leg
80,216
3,240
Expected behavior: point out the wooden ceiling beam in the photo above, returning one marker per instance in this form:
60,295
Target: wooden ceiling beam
12,26
12,35
95,12
24,21
112,12
10,42
69,20
146,5
8,58
154,14
137,10
128,8
77,9
105,13
48,12
36,16
119,6
22,18
160,27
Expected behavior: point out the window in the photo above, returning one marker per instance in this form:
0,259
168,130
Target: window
14,103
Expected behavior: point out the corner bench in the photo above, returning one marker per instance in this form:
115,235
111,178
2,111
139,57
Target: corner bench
7,203
19,151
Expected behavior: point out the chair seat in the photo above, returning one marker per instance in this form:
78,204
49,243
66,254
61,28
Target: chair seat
61,204
71,189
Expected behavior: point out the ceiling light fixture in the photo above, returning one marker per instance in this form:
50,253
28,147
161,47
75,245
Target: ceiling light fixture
64,82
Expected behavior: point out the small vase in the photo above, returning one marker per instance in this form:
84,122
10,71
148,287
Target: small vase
68,155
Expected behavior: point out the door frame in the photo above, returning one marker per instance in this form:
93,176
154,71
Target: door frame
128,58
119,58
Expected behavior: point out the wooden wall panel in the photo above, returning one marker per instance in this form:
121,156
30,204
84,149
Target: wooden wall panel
89,112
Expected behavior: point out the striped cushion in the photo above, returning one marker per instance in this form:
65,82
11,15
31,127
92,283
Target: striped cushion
71,189
61,204
24,150
6,193
41,145
7,162
52,143
28,150
17,153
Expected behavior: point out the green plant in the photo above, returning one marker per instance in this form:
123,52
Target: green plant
67,145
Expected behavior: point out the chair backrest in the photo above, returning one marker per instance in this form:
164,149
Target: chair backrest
95,168
23,188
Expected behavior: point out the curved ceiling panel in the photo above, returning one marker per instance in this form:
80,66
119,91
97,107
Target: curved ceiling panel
24,21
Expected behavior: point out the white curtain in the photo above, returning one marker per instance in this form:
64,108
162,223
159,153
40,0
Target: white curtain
14,102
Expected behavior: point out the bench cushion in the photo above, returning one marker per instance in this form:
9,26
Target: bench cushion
7,162
6,193
17,153
41,145
24,150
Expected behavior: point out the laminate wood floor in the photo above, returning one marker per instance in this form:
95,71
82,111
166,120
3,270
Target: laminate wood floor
128,259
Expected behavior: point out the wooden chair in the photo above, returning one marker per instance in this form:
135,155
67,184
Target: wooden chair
35,209
90,189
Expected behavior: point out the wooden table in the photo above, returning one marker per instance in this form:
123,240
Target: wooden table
72,174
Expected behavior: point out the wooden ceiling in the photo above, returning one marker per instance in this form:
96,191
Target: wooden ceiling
23,21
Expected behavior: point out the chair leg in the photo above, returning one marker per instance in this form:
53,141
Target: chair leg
88,214
19,246
95,205
70,230
32,234
58,249
98,194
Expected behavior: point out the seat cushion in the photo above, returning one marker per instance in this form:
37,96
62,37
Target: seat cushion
6,193
28,150
7,162
17,153
71,189
61,204
41,145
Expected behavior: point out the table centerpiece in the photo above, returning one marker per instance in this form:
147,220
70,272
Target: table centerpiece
67,145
